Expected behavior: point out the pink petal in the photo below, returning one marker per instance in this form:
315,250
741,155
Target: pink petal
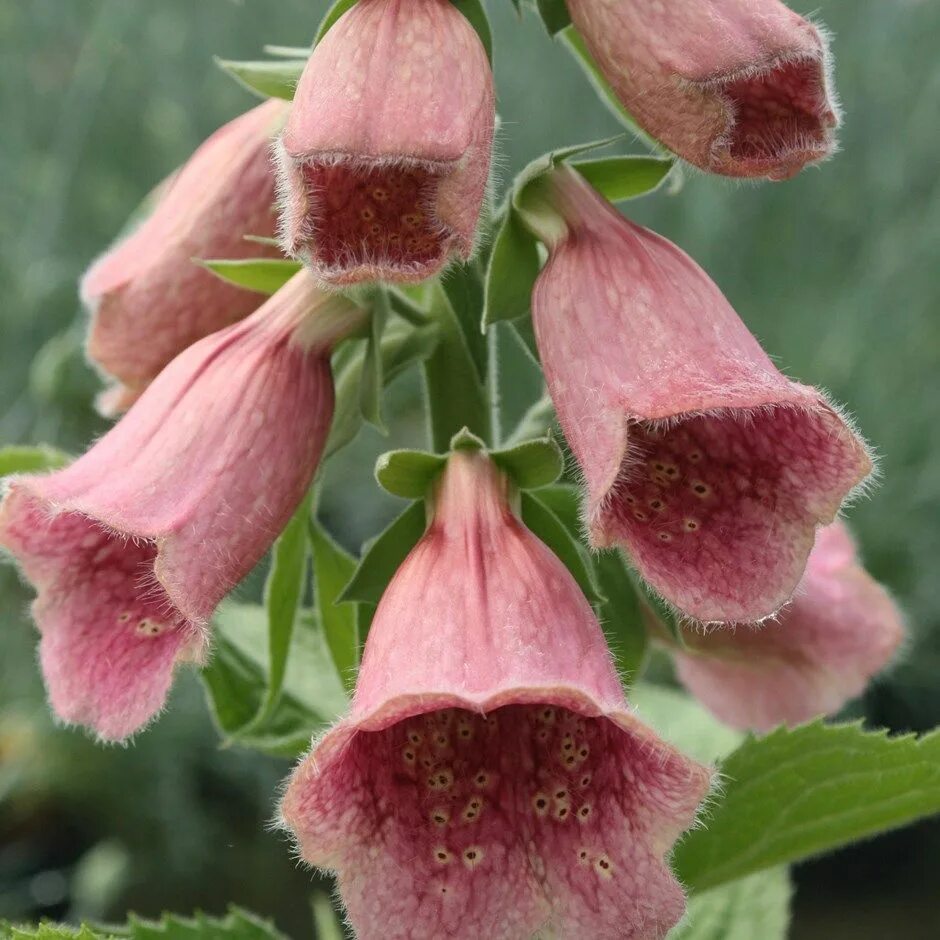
149,298
738,87
840,630
704,462
385,158
486,688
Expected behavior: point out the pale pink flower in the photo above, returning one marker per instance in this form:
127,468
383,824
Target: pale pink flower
738,87
386,154
706,464
149,297
840,630
131,547
491,780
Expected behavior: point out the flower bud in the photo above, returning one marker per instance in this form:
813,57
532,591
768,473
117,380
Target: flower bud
385,158
738,87
840,629
131,547
491,779
149,299
700,459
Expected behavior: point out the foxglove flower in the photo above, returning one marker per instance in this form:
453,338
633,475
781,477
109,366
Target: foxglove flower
131,547
148,296
490,780
704,462
840,630
385,157
738,87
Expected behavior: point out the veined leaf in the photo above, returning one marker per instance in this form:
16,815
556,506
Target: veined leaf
795,793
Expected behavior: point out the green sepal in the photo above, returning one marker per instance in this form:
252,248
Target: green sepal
383,555
25,459
276,78
475,14
543,523
796,793
465,439
400,348
554,15
625,177
287,52
408,473
531,464
511,270
333,566
331,16
263,275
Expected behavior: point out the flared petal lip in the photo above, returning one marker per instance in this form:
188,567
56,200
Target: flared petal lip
802,398
162,542
331,747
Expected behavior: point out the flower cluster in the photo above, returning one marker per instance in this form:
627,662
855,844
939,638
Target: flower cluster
490,779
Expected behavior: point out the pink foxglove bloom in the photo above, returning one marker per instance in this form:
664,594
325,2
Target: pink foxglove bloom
738,87
840,630
491,780
706,464
131,547
148,297
386,154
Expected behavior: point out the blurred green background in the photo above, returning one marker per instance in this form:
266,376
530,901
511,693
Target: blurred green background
836,271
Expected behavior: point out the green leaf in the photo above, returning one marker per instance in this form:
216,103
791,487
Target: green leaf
331,16
236,681
619,178
540,520
263,275
796,793
237,924
287,52
619,612
475,13
283,595
511,272
753,908
554,14
267,79
531,464
333,566
401,347
22,459
371,382
536,422
408,473
382,556
463,288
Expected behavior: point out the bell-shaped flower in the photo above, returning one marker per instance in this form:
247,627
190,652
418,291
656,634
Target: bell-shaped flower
131,547
738,87
841,628
385,158
700,459
491,780
148,297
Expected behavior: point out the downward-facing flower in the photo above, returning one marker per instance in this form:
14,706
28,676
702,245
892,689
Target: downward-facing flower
840,630
706,464
386,154
132,547
738,87
490,780
148,296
